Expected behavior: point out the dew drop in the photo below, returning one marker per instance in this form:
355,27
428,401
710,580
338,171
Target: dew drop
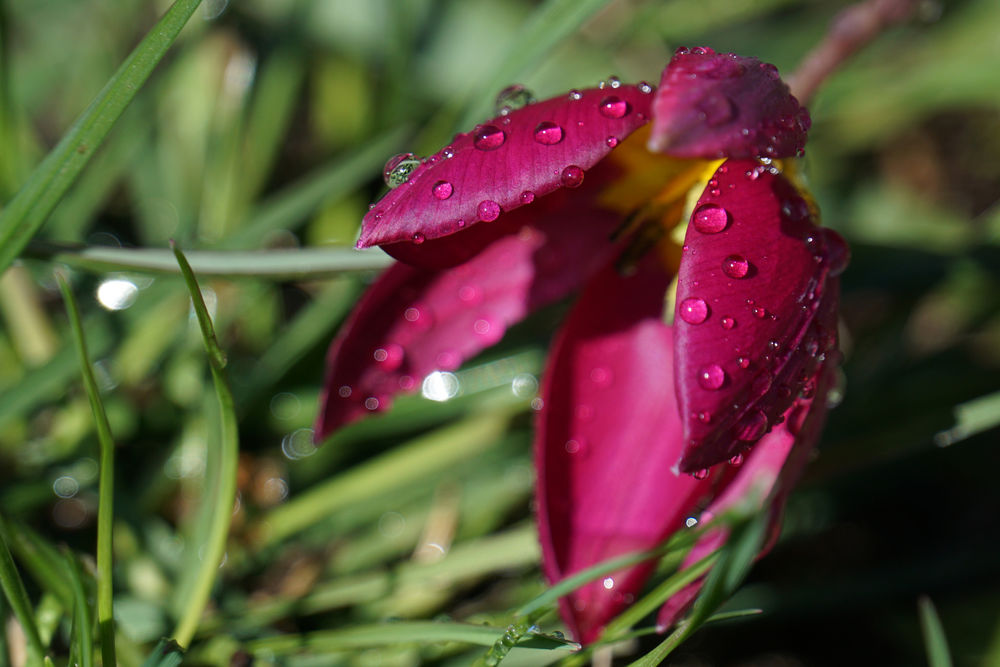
470,294
527,197
548,133
728,323
488,137
758,312
704,417
345,391
717,108
575,94
753,427
711,377
736,266
417,238
614,82
512,98
644,87
700,474
398,168
611,141
693,310
442,190
572,176
743,362
795,209
710,219
389,357
371,403
411,314
488,210
736,460
614,107
448,153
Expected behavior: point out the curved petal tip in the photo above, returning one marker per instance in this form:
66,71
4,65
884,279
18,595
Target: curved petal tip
713,105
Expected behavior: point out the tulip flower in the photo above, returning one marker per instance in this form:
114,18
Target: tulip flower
690,375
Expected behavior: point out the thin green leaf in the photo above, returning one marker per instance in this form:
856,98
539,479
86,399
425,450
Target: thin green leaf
297,264
666,647
17,596
224,481
167,653
83,644
32,204
935,641
105,493
39,558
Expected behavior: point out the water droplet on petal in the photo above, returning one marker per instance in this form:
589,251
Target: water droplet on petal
470,294
710,219
728,323
575,94
795,209
488,137
448,153
389,357
704,417
345,391
614,107
527,197
572,176
512,98
611,141
711,377
548,133
488,210
417,238
442,190
758,312
718,109
736,460
735,266
398,168
694,310
753,427
372,403
700,474
601,376
743,362
644,87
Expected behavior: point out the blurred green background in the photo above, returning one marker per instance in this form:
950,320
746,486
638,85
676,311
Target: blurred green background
266,126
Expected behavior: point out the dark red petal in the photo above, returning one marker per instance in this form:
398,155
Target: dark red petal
750,330
520,157
413,321
606,440
712,105
773,467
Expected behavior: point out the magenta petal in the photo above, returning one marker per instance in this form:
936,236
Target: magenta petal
749,337
607,438
506,163
414,321
712,105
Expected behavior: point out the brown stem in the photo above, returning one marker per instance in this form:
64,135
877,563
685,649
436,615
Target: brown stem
850,30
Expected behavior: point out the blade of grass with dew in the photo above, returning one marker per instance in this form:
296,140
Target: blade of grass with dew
278,265
83,642
292,206
437,449
17,596
935,641
29,208
552,22
106,483
226,477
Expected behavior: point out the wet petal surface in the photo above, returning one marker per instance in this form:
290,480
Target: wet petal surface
606,440
712,105
414,321
755,268
506,163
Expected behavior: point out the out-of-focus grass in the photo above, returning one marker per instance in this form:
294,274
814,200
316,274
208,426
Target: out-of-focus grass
266,126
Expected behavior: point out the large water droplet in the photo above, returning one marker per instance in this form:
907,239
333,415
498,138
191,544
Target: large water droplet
710,219
488,137
718,109
512,98
572,176
736,266
488,210
614,107
442,190
753,427
711,377
693,310
548,133
398,168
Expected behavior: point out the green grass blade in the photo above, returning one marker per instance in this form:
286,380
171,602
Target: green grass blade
225,480
935,641
17,596
106,484
84,642
32,204
166,654
280,265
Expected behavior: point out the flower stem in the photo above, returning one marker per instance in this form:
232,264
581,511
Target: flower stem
850,31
